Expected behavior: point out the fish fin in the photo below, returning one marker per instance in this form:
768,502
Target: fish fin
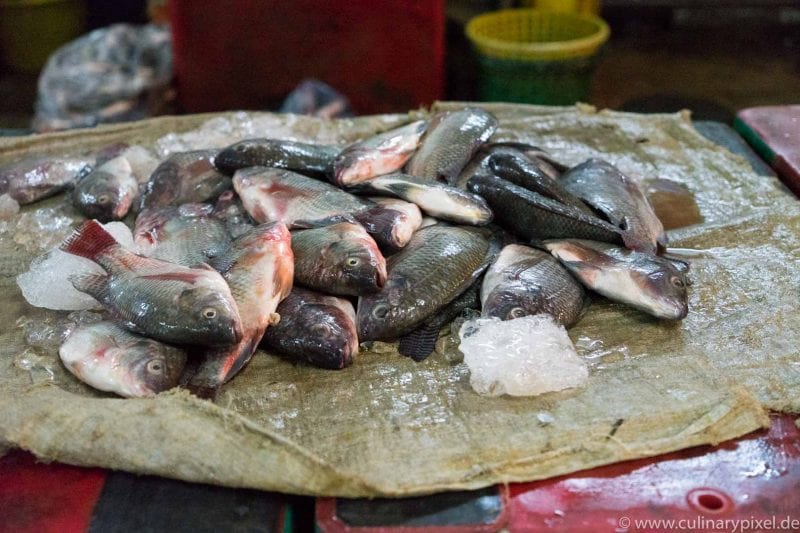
89,241
204,392
221,365
180,275
420,343
221,263
95,285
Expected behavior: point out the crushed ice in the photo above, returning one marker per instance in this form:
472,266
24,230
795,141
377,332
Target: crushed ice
521,357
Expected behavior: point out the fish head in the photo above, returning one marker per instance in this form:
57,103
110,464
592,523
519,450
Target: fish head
327,336
156,367
663,291
356,262
378,314
103,196
508,303
210,314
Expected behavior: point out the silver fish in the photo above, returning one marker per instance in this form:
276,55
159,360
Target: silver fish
183,178
112,359
314,328
107,192
165,301
187,235
276,195
381,154
524,281
450,142
432,197
647,282
34,179
601,185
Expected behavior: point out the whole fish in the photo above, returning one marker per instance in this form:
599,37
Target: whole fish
34,179
435,199
258,267
391,222
540,157
524,281
109,358
421,342
187,235
314,328
276,195
229,209
302,157
601,185
514,166
167,302
647,282
450,142
531,216
107,192
438,265
381,154
183,178
338,259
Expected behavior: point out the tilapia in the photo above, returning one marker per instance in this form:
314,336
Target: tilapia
432,197
107,192
276,195
314,328
167,302
187,235
391,222
540,157
421,342
514,166
438,264
378,155
34,179
450,142
290,155
524,281
230,210
109,358
620,199
531,216
258,267
647,282
183,178
338,259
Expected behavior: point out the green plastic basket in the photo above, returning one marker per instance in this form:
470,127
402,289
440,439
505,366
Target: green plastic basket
537,57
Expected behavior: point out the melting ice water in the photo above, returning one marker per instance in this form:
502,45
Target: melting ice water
520,357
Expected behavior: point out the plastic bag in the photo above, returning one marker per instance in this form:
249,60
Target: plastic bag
112,74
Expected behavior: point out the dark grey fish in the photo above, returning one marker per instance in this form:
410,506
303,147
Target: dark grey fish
450,142
301,157
378,155
647,282
277,195
36,178
540,157
421,342
524,281
183,178
438,264
514,166
531,216
107,192
432,197
187,235
601,185
314,328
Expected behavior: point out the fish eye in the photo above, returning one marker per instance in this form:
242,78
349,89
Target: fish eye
321,329
103,199
209,312
516,312
677,282
380,311
155,367
353,261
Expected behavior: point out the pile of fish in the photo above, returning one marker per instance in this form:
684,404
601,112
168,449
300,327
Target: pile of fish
271,242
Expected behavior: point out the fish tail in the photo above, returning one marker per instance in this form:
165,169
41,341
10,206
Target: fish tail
89,241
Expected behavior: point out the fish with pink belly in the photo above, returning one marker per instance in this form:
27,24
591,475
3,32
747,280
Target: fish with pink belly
110,358
259,268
